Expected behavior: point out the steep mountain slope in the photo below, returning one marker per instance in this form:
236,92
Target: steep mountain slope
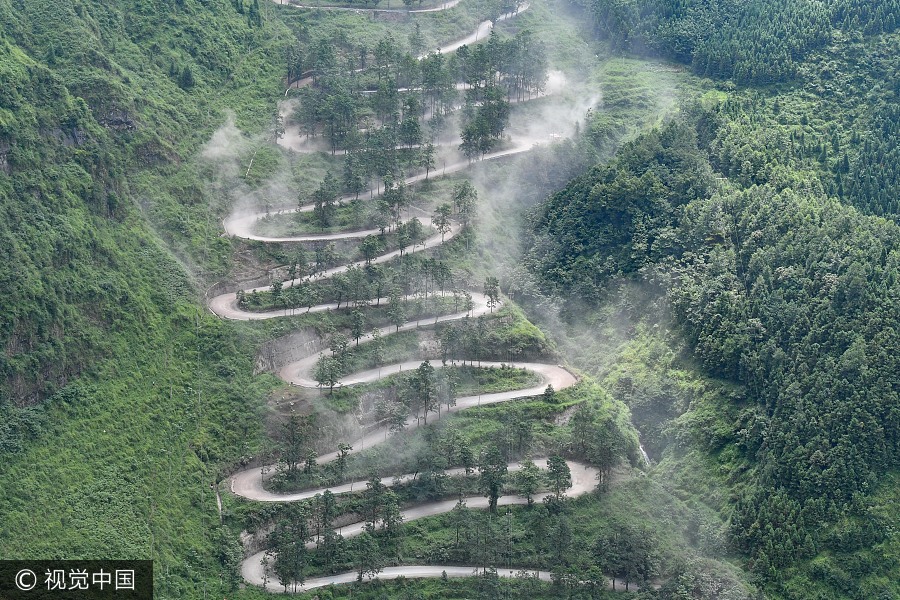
754,42
97,99
782,302
118,395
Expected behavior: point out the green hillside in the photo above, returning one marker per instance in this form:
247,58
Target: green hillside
725,284
755,42
119,394
743,225
102,106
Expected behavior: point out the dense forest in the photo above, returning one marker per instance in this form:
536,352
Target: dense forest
757,42
758,239
872,180
82,107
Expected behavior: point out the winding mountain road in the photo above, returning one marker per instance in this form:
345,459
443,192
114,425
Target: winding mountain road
226,306
293,139
250,482
444,6
410,572
252,488
584,480
427,571
242,226
483,29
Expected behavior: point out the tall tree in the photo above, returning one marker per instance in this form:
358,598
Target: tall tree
559,476
441,220
338,345
396,309
426,389
367,556
369,247
325,256
328,372
356,325
377,347
449,384
464,198
582,428
325,199
528,480
492,291
341,461
426,158
296,437
289,540
606,447
492,475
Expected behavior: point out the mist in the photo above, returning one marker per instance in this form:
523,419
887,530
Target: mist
549,127
229,155
543,130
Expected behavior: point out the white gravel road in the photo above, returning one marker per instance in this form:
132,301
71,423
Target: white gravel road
584,480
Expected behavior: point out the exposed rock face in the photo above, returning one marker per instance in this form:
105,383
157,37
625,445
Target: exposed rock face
118,120
68,137
276,353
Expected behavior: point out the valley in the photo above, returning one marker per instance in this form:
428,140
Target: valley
592,300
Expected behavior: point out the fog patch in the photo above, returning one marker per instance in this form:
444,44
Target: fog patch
228,158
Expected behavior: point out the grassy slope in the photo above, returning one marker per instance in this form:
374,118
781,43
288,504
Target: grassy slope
119,463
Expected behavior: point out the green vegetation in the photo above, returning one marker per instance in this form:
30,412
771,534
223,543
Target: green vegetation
346,29
345,218
507,430
776,289
143,396
728,280
144,352
518,428
604,433
489,380
466,380
561,537
620,215
403,282
758,42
